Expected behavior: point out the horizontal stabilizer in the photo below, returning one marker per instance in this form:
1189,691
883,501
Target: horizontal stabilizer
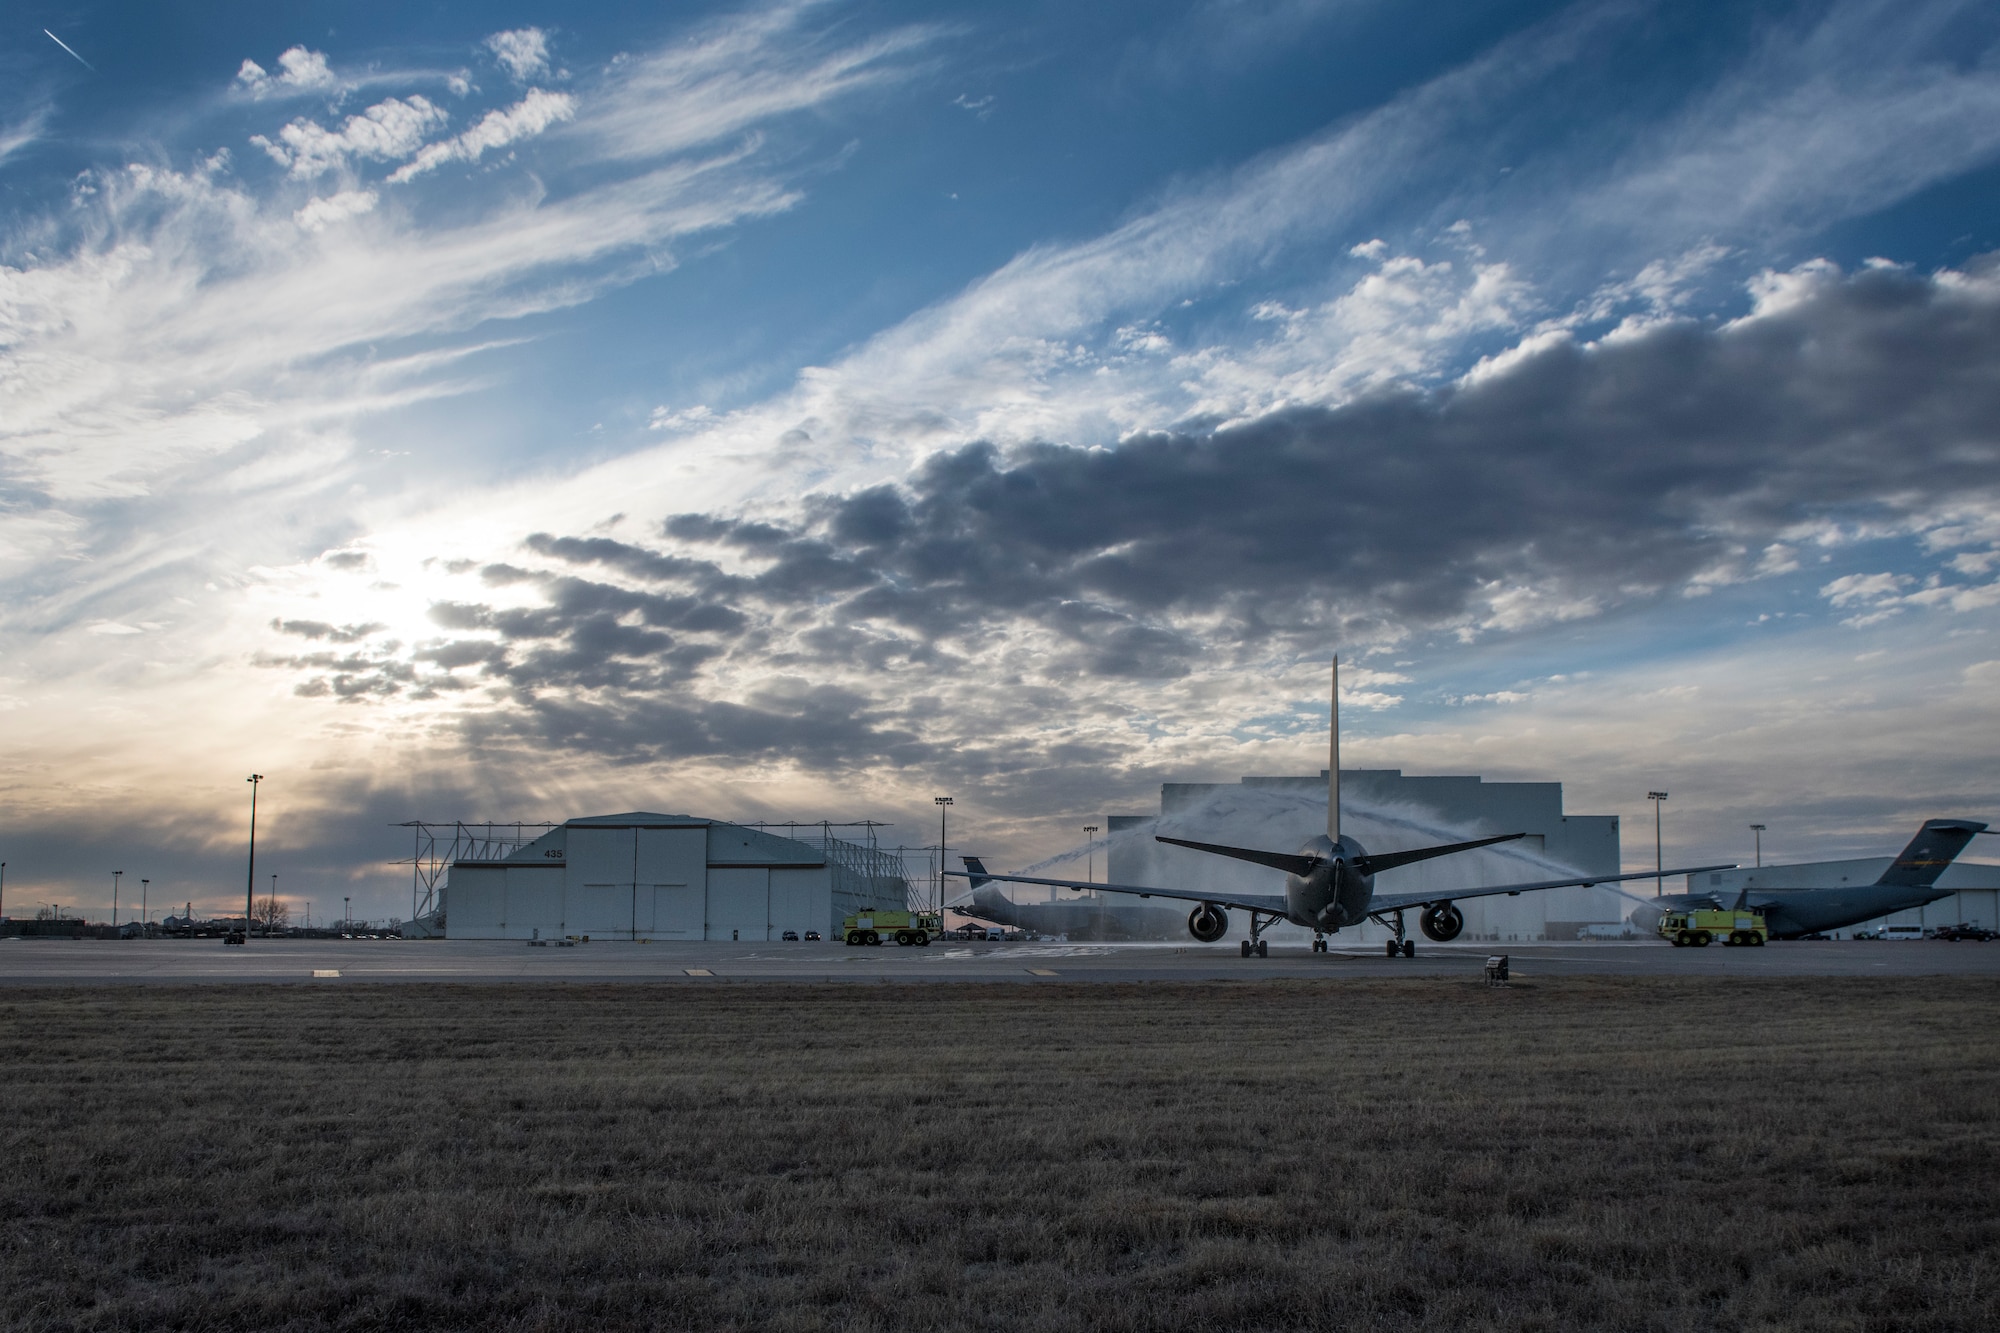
1296,864
1374,865
1291,864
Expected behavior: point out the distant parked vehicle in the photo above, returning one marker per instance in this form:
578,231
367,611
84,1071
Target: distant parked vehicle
791,935
1900,933
1817,936
233,937
1964,930
812,935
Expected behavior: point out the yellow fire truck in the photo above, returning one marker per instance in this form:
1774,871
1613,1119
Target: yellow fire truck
1699,926
918,928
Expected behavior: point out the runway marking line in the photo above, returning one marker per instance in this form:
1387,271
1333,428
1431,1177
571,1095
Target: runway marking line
697,971
326,972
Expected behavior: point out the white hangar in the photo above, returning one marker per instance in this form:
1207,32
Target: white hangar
645,876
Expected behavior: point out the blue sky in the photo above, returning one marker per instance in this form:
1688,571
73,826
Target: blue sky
791,410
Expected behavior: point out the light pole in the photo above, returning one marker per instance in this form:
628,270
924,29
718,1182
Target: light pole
273,903
145,923
114,898
943,804
1758,829
1656,797
250,883
3,890
1090,855
347,916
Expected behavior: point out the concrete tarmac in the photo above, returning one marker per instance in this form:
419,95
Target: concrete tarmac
37,962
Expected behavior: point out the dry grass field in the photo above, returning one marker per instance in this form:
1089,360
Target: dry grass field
1376,1155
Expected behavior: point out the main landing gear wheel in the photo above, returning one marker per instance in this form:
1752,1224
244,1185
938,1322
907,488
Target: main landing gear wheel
1392,950
1319,944
1263,948
1409,948
1246,948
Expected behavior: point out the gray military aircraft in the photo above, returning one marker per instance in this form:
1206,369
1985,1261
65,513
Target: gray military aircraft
1910,881
1329,883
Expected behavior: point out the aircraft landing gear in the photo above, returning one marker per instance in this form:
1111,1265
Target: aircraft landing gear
1257,944
1319,943
1402,944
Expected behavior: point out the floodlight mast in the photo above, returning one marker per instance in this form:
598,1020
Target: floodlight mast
115,876
1656,797
250,882
1758,829
943,803
1090,855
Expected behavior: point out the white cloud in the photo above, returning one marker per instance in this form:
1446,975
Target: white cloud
1880,596
15,137
496,129
1850,589
299,71
388,131
522,52
321,213
697,417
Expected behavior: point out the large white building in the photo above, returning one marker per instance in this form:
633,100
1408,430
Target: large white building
647,876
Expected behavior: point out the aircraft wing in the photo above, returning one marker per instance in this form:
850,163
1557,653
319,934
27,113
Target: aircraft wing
1271,903
1391,902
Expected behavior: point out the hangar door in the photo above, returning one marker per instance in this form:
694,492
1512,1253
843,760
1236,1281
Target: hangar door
636,883
671,864
739,903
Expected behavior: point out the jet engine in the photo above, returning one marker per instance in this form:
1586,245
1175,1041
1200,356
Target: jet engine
1442,922
1208,923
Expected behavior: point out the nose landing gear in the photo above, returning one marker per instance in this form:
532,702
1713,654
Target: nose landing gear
1319,943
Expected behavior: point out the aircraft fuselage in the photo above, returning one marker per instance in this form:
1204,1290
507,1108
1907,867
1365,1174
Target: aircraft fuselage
1794,912
1335,894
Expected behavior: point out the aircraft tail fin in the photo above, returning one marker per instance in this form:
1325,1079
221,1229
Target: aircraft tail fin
976,871
1333,761
1936,845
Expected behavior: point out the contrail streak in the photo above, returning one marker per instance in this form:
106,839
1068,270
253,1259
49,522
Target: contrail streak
66,46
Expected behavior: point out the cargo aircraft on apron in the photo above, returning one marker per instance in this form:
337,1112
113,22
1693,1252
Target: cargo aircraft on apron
1329,882
1909,882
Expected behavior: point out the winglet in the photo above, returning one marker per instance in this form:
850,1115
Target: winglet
976,871
1333,762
